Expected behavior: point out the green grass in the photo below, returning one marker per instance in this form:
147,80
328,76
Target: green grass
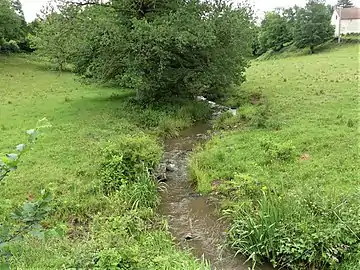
290,50
291,186
105,232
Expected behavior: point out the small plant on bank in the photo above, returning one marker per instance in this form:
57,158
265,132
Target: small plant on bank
128,160
25,220
285,151
9,162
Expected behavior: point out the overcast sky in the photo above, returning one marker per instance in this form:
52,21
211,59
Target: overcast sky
31,7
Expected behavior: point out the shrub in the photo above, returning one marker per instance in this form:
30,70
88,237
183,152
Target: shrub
142,193
127,160
278,151
251,116
26,220
168,119
13,46
243,186
9,47
225,121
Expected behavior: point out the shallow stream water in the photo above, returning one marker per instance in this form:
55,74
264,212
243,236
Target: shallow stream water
191,217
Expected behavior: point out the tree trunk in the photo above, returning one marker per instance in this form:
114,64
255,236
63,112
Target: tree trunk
312,49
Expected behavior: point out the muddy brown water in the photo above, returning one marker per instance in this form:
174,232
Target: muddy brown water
192,218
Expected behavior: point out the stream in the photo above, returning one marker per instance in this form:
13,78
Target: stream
191,217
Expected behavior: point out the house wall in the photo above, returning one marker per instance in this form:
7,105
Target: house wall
335,22
347,26
350,26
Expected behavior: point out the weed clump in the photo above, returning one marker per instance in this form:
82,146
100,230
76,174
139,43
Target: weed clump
252,112
127,161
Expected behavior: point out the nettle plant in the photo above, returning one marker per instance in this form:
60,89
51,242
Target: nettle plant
24,220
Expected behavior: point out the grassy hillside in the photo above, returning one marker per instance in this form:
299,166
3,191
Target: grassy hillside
97,225
287,168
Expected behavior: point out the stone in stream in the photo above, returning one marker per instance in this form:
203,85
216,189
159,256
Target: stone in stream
188,237
171,167
161,177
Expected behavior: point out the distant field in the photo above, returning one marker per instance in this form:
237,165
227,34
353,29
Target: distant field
288,169
103,232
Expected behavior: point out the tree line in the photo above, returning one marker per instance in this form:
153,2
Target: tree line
164,49
304,27
14,30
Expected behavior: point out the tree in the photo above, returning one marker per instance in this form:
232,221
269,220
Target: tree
313,26
255,44
274,32
13,27
10,21
290,16
163,49
345,3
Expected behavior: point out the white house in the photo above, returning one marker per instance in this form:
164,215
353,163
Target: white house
346,20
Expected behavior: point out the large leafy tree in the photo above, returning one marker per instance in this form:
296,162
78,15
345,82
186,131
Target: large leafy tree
313,26
275,32
163,49
290,16
345,3
10,21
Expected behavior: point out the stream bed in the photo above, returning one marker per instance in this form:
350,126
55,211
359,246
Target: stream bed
191,217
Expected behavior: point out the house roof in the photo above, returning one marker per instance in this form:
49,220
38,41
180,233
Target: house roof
349,13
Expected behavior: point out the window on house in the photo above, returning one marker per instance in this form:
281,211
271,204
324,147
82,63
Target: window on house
335,17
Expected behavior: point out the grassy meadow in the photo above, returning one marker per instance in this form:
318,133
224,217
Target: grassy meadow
287,166
95,225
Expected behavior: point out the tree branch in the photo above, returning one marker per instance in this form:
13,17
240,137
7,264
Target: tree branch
89,3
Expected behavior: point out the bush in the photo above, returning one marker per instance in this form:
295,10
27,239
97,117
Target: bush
167,120
278,151
9,47
251,116
127,160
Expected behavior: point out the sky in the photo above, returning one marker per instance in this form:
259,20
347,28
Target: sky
31,7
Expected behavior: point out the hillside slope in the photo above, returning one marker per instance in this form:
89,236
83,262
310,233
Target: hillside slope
287,166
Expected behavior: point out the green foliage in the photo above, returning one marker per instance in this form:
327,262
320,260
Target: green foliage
313,26
142,193
292,201
345,4
127,161
9,162
163,49
306,27
26,221
9,46
166,120
255,45
9,21
274,32
29,216
278,152
12,26
249,115
33,211
279,230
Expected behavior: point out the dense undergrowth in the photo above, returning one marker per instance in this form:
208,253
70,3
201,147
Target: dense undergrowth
287,166
96,161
